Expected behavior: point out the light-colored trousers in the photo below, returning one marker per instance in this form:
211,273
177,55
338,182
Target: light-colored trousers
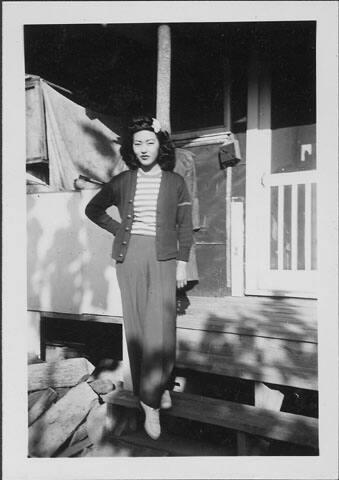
148,292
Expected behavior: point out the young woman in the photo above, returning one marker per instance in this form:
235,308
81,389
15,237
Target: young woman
151,248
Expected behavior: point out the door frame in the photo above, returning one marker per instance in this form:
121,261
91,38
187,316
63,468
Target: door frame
258,163
258,155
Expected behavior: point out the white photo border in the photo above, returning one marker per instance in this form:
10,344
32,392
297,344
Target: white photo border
16,465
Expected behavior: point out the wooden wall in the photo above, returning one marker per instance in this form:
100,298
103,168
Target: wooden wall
70,268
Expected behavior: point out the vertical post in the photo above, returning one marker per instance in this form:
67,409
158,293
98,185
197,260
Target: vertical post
251,445
227,94
258,163
237,244
265,397
227,124
164,77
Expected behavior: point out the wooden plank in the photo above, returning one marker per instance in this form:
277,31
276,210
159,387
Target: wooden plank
164,77
305,177
280,226
83,317
258,157
120,420
242,349
64,373
102,424
177,445
227,123
269,349
62,391
75,448
237,248
296,310
243,444
282,426
41,405
102,386
308,226
185,135
268,398
34,397
255,314
250,302
79,434
96,423
214,324
244,315
279,317
119,448
236,307
291,376
294,227
53,428
252,445
255,358
252,323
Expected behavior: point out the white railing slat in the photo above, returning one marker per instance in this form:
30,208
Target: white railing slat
308,226
280,226
294,228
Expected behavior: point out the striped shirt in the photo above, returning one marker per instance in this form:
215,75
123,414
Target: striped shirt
145,203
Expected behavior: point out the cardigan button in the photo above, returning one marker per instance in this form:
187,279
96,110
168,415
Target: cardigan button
129,216
130,201
127,229
121,255
124,242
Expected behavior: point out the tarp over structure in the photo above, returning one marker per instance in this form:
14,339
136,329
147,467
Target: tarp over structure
71,138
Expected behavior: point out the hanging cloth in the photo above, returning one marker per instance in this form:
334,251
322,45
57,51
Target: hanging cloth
77,142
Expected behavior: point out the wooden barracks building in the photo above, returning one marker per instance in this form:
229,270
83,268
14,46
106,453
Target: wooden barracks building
253,312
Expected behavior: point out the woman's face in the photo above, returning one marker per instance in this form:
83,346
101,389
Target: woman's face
146,148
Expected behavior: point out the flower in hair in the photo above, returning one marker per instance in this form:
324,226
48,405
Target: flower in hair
156,125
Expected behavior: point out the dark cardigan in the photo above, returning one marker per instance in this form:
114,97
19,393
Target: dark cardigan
173,220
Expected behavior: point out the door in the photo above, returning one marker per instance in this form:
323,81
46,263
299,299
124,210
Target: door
281,179
210,239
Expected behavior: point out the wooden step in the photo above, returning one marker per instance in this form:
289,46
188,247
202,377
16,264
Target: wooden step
176,445
282,426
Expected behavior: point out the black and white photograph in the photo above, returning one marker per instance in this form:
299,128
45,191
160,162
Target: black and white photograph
170,202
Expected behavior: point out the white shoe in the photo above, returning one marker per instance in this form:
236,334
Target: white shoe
166,401
152,421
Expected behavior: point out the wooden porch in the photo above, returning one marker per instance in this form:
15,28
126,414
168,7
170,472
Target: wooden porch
263,339
270,343
255,338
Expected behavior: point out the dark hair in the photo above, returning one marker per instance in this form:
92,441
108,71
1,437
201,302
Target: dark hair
166,158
